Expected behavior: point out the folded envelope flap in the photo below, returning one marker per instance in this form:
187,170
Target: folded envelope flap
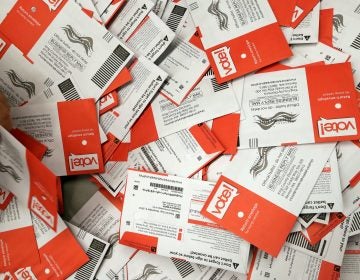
140,241
317,231
302,9
226,129
207,140
249,215
120,80
80,136
34,146
326,26
333,98
328,271
283,11
31,18
144,130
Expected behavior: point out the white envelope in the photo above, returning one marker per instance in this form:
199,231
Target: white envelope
161,215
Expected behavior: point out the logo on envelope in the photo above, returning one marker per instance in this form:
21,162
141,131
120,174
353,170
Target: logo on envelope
53,4
222,199
40,210
224,62
24,274
337,127
83,162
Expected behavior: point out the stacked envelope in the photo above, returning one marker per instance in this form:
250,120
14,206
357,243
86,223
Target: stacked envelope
180,139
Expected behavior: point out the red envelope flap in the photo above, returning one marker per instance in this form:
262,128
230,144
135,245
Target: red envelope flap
121,152
318,231
108,102
80,136
206,139
144,130
333,102
109,146
278,67
120,80
32,18
226,129
328,271
18,249
249,216
140,241
33,145
196,40
43,191
326,26
60,257
283,11
5,198
302,9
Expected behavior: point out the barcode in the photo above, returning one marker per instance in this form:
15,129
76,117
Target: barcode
210,72
183,267
94,253
162,186
253,142
355,222
218,87
215,274
175,17
48,82
193,6
110,66
148,157
111,274
296,238
356,43
68,90
108,36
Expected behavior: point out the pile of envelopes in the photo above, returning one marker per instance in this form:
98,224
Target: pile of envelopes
216,140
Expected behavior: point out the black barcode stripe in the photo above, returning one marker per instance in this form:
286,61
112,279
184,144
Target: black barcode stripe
94,253
168,187
108,36
148,157
355,222
296,238
175,17
215,274
183,267
110,66
193,6
111,274
218,87
68,90
356,43
253,142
